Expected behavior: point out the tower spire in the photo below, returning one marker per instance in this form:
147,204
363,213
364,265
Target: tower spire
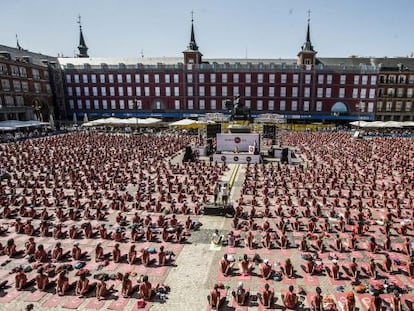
308,44
83,49
17,42
193,45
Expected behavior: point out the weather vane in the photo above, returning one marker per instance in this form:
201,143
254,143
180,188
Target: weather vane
309,13
192,16
79,21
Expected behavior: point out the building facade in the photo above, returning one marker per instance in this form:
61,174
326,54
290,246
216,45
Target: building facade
30,86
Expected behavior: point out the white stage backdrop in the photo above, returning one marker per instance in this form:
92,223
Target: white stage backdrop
229,142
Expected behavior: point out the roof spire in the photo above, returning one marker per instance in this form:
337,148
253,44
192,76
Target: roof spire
17,43
308,44
193,45
83,49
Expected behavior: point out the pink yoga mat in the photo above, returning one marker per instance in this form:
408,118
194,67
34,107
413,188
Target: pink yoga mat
119,304
94,303
35,296
73,303
54,301
310,280
10,296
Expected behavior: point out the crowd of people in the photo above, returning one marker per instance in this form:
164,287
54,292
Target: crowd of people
120,192
347,211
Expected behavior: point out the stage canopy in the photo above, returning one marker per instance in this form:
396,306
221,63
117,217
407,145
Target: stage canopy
381,124
11,125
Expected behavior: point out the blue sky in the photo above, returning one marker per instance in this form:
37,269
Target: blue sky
224,28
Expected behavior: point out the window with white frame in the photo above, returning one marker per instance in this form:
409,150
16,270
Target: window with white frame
78,91
104,104
131,105
96,104
260,78
19,101
283,78
138,91
167,91
111,91
271,91
113,104
247,91
213,90
342,92
128,78
391,79
224,77
190,91
248,103
307,79
37,87
355,93
137,78
363,93
88,104
223,105
306,105
120,91
398,106
79,103
373,80
328,92
147,91
411,79
167,78
111,78
329,79
282,105
68,78
379,106
119,78
224,90
103,91
9,101
307,92
271,105
295,91
202,90
213,79
213,104
25,86
86,91
296,78
361,106
235,78
356,79
371,93
176,78
272,78
202,104
319,92
400,92
71,104
248,77
390,91
176,91
177,104
260,105
370,107
320,79
408,106
364,80
294,106
318,106
283,91
157,78
129,90
122,104
236,91
70,91
409,92
260,91
201,77
157,91
189,77
388,106
102,78
76,77
342,79
85,78
146,78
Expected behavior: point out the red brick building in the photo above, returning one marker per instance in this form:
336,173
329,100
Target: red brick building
305,88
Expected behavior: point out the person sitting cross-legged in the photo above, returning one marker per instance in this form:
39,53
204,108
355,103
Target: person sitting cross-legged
241,295
290,299
266,296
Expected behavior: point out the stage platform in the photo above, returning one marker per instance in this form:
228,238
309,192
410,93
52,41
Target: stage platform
241,157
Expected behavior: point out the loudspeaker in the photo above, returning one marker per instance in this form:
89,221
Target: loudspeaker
213,130
269,131
284,158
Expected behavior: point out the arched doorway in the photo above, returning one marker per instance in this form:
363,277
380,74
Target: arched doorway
339,108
